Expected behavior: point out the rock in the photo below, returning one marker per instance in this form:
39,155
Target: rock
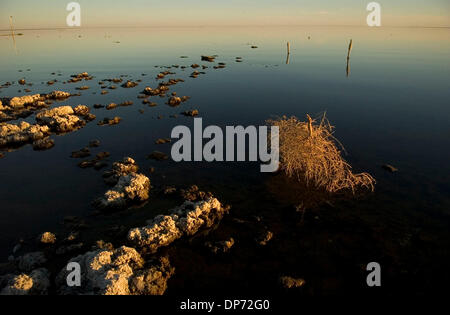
81,153
111,106
43,144
60,119
82,75
110,122
82,88
194,194
97,106
102,155
174,101
31,261
119,169
81,110
264,238
220,247
132,188
117,272
163,140
254,47
129,84
57,95
185,220
35,283
389,168
126,103
22,133
208,58
100,165
89,117
2,155
169,190
47,238
289,282
157,155
94,143
22,82
17,102
191,113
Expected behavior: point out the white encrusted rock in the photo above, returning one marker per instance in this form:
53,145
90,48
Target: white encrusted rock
21,101
60,119
130,188
116,272
186,219
21,133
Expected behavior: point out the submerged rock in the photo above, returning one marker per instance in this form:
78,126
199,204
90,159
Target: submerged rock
208,58
157,155
94,143
264,238
163,140
85,152
35,283
117,272
389,168
191,113
220,247
185,220
109,121
289,282
43,144
31,261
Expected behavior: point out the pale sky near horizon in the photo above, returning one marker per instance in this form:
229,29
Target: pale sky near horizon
98,13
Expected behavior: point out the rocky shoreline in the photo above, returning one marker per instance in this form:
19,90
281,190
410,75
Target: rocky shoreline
133,268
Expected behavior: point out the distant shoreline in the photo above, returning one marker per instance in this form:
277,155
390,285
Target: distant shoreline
204,26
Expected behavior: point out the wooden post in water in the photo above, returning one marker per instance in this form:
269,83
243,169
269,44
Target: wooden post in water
12,32
350,46
288,52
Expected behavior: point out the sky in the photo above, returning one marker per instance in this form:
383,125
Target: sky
107,13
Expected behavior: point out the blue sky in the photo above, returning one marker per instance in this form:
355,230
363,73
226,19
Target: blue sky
95,13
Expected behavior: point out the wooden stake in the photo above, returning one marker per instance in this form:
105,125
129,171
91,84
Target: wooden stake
12,32
288,52
350,46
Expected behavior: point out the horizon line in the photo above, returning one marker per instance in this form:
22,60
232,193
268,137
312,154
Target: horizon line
204,26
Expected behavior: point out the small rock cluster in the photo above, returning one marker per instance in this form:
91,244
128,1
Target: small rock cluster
129,186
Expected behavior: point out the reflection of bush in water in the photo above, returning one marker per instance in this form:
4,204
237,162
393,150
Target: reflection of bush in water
310,152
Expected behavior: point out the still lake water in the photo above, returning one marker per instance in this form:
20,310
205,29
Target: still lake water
392,108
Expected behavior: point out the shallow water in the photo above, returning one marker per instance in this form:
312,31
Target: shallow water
392,108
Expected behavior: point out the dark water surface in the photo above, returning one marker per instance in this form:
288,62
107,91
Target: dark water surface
392,108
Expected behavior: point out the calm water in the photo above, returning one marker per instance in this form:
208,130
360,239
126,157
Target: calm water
392,108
